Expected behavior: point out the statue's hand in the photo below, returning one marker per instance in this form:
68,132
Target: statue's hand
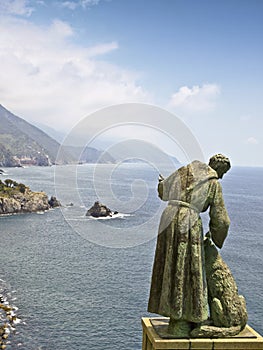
208,235
160,178
208,239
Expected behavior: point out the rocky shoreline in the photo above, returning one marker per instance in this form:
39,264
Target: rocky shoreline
18,198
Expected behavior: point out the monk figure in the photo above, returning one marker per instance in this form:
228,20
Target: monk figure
178,287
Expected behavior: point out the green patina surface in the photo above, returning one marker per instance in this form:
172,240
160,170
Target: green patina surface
183,286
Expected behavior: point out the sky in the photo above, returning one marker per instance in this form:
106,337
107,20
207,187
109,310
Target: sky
200,60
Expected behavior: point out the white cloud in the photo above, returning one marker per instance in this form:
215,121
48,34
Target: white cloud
196,99
102,49
16,7
72,5
44,76
252,141
61,28
87,3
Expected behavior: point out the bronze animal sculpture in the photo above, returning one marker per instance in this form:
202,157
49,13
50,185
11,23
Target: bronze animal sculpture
228,314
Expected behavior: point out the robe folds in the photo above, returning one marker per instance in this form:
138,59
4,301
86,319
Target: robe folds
178,286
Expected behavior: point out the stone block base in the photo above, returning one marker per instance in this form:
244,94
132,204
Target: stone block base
154,338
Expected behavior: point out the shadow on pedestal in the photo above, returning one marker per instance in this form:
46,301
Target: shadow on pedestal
155,336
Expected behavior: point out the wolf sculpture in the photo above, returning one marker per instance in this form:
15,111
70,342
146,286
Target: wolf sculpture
228,314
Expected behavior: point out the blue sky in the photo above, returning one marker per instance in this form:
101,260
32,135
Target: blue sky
201,60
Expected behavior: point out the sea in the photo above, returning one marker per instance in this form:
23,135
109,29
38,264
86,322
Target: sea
82,283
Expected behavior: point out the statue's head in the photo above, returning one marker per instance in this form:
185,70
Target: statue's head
220,163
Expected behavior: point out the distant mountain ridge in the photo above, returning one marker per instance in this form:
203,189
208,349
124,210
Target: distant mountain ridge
90,155
22,143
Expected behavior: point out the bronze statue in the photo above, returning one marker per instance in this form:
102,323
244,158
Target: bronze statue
179,286
228,313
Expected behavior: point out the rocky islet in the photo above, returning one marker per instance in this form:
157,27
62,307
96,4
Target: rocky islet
100,210
18,198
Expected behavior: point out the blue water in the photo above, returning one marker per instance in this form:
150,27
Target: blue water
82,283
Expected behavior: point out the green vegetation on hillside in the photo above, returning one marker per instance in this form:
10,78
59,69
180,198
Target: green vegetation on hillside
18,198
9,188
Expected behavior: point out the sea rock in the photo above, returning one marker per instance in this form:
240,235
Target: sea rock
24,203
9,205
54,202
18,198
35,201
100,210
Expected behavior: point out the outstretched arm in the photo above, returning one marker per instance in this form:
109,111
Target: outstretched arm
219,219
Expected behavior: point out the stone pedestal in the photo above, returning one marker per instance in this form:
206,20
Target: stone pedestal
155,338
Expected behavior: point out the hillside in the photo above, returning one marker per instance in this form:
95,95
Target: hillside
22,143
90,155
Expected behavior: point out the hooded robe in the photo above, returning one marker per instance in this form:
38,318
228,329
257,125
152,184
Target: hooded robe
178,287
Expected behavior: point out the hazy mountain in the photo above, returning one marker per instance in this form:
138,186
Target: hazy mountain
23,143
54,134
90,155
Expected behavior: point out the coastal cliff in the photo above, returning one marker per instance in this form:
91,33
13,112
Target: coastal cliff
18,198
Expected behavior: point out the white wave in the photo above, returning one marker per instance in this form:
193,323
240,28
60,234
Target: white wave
7,214
114,216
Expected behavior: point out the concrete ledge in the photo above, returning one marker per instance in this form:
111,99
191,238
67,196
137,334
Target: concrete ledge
155,338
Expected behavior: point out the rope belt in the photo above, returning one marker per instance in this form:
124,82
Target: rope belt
183,204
